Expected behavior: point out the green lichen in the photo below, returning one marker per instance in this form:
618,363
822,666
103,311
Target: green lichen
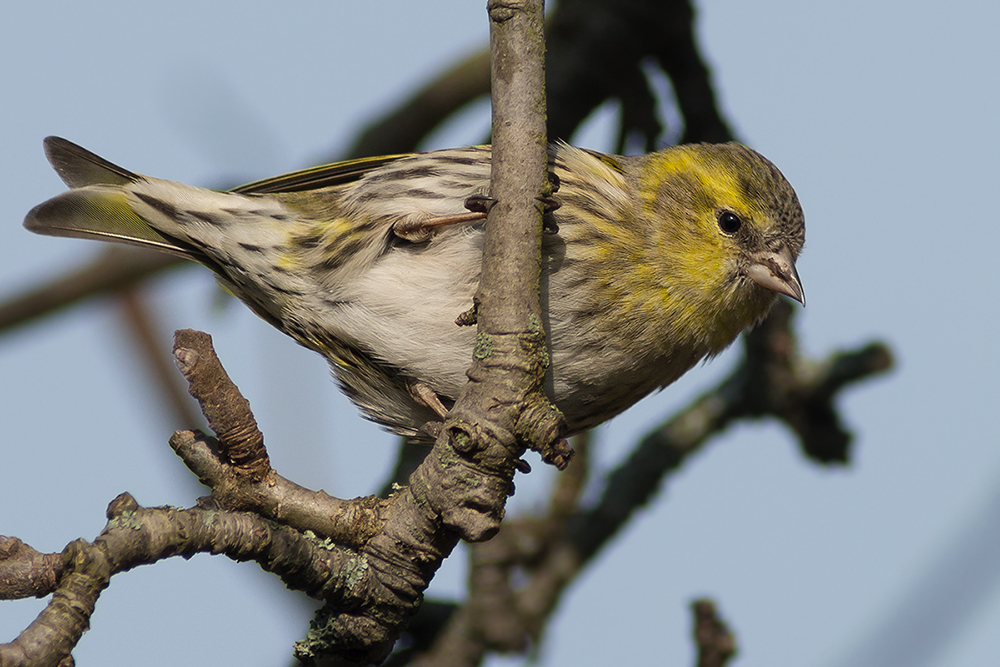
484,346
355,571
323,543
129,520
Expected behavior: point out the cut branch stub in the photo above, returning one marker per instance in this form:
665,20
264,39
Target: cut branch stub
227,411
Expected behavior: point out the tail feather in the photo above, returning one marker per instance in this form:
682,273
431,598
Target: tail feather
109,203
97,207
102,212
78,167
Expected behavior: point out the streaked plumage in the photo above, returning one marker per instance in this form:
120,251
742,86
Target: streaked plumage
640,283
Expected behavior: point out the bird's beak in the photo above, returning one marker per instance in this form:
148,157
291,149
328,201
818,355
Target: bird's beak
776,271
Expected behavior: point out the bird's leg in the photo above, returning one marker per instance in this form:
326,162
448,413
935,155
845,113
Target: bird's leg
423,394
420,230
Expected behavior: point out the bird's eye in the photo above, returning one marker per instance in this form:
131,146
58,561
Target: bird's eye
729,222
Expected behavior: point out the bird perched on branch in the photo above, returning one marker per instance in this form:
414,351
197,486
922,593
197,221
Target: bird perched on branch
651,264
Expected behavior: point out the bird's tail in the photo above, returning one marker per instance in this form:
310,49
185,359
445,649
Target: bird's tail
98,205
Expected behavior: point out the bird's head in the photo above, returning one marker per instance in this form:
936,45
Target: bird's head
728,230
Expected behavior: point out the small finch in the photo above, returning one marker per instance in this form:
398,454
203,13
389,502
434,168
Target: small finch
652,263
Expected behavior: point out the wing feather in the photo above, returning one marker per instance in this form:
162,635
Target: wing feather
322,176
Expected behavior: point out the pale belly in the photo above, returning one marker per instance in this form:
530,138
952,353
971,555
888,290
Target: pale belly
403,311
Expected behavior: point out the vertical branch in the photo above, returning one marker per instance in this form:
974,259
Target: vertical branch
503,408
509,291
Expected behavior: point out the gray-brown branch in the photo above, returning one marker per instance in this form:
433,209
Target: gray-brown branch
137,536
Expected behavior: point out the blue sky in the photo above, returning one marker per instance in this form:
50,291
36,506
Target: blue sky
883,118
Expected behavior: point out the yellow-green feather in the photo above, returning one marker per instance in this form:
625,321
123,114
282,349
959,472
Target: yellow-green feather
100,212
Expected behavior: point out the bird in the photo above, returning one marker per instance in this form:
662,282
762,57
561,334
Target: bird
650,263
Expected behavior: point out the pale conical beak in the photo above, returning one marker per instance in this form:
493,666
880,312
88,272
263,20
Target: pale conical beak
776,271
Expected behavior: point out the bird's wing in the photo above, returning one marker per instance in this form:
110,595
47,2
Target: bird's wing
323,176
